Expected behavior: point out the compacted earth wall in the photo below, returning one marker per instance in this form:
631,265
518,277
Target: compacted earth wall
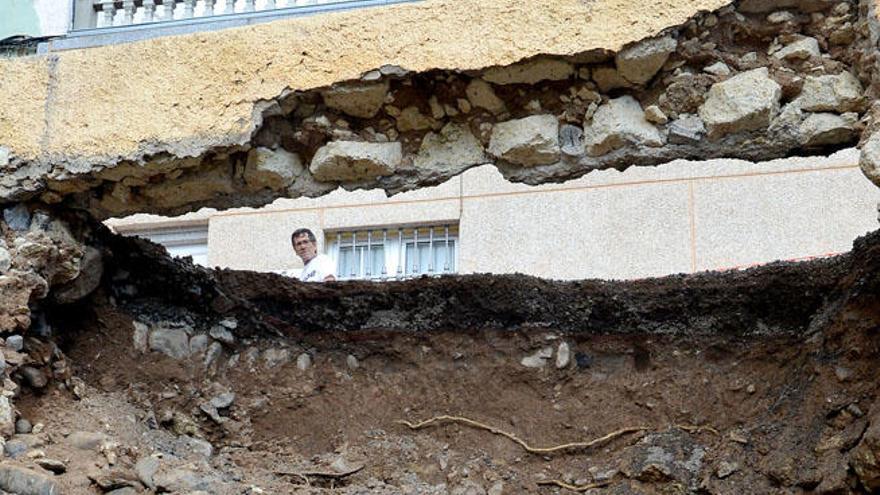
125,371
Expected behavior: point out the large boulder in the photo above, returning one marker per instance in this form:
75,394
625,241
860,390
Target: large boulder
362,100
745,102
835,93
531,72
618,123
355,161
530,141
272,169
454,148
869,160
638,63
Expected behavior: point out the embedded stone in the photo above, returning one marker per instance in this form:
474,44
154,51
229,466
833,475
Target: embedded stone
23,481
18,217
571,139
638,64
745,102
362,101
801,49
411,119
618,123
140,337
718,69
7,417
481,95
869,161
353,161
655,115
173,342
454,148
529,141
90,273
272,169
607,78
531,72
5,260
780,17
834,93
865,458
822,129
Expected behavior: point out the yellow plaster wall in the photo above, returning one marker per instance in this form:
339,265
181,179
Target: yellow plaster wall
200,89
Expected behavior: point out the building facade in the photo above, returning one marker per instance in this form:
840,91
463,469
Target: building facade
681,217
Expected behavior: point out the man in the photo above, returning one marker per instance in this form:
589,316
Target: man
318,267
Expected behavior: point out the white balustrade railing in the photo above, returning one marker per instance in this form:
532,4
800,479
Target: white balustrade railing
108,13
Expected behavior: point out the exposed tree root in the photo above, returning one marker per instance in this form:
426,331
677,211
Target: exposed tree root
516,439
574,488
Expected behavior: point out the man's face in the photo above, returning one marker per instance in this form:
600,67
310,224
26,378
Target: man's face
305,248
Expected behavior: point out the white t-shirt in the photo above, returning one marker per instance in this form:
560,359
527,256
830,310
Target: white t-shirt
318,268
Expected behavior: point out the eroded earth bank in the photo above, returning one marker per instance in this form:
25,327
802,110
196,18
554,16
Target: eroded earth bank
173,378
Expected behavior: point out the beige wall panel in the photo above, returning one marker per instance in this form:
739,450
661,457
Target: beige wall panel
620,232
192,91
24,84
259,242
747,220
392,214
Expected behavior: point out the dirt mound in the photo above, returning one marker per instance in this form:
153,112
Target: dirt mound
757,381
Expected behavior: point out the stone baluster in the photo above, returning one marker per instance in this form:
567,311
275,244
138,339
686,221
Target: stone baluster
168,9
230,7
189,8
128,7
109,11
209,7
149,10
250,5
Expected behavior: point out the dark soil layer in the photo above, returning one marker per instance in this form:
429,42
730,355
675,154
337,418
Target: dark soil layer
757,381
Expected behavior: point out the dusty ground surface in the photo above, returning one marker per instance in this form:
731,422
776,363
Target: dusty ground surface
760,381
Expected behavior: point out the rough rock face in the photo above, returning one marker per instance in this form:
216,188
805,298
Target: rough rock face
840,92
527,142
745,102
531,72
870,158
273,169
353,161
639,63
618,123
454,147
362,101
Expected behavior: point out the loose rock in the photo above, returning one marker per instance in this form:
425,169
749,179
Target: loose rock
303,361
23,481
538,359
173,342
33,377
618,123
745,102
544,69
272,169
352,161
481,95
530,141
639,63
222,334
52,465
822,129
835,93
686,129
453,149
563,355
362,101
718,69
801,49
869,160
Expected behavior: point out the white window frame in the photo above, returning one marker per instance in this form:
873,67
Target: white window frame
180,242
394,241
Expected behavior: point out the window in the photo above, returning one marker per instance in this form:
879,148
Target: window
179,241
394,253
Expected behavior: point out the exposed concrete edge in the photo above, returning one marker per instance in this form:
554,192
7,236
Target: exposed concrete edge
113,82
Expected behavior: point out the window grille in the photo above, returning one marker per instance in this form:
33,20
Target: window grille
394,253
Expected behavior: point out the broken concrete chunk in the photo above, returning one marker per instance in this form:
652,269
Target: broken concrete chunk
272,169
353,161
638,64
530,141
454,148
362,101
745,102
801,49
481,95
618,123
531,72
835,93
822,129
869,161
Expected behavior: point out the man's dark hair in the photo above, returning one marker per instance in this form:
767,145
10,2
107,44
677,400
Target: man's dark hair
299,232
